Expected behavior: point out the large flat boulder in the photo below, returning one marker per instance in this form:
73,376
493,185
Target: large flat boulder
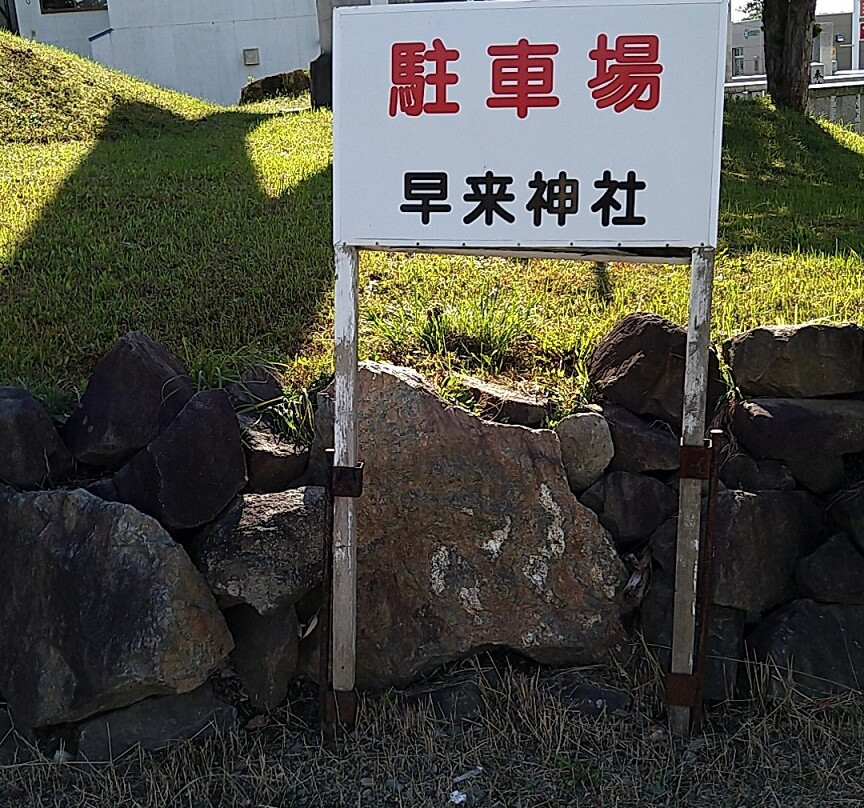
265,550
469,537
815,360
809,435
32,452
819,646
639,365
100,609
640,445
192,471
135,391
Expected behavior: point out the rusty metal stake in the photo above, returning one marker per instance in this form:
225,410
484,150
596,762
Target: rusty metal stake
687,690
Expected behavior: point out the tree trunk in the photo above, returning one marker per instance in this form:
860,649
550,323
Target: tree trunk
788,26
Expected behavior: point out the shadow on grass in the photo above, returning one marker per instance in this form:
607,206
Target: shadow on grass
165,227
788,183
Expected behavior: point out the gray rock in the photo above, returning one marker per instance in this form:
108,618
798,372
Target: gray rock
190,473
630,506
834,573
639,365
100,608
586,698
760,540
809,435
265,652
272,462
456,701
154,724
265,550
742,473
815,360
33,453
498,403
586,448
818,646
469,537
641,445
135,391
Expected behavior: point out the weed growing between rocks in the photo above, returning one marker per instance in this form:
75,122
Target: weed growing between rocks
528,745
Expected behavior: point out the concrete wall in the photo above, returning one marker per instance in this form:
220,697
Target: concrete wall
68,30
196,46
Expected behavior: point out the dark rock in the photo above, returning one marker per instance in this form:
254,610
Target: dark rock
503,405
586,698
639,365
847,512
818,646
586,447
257,387
760,540
640,445
272,462
501,553
293,83
809,435
104,489
32,453
265,550
190,473
100,608
320,463
154,724
798,361
742,473
265,652
456,701
834,573
630,506
14,748
135,391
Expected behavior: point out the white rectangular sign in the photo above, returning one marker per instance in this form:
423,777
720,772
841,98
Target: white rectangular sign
528,125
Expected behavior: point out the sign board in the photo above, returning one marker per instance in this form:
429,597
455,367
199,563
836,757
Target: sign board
520,126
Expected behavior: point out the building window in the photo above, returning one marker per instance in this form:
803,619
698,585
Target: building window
756,64
52,6
737,61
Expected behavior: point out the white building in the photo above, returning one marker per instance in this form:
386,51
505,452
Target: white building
207,48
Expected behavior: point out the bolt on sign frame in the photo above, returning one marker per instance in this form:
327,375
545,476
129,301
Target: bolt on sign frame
587,130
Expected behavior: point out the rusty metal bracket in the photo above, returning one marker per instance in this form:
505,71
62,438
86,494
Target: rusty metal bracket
696,461
683,689
347,481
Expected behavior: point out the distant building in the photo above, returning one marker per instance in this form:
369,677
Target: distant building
207,48
832,46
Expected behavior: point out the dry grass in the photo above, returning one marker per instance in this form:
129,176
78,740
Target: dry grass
531,747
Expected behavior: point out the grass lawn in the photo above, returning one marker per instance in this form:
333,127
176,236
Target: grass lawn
124,206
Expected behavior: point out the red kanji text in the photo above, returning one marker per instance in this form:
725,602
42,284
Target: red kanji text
522,76
409,77
628,75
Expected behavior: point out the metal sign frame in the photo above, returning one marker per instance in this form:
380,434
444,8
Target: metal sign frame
344,571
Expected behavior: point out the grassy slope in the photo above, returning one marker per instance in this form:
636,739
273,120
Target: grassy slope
126,206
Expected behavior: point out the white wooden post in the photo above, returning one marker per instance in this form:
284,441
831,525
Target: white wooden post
690,490
344,616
